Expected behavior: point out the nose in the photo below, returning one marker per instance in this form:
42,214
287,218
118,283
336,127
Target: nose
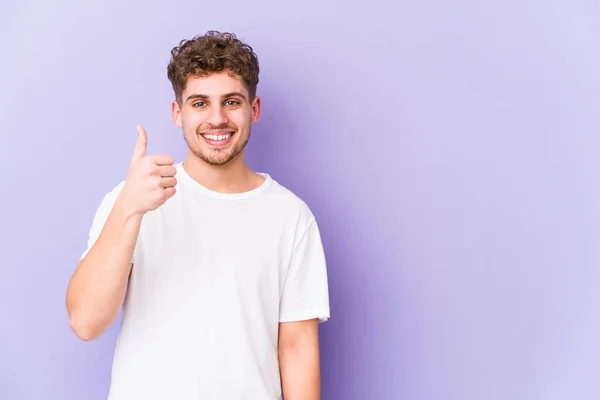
216,116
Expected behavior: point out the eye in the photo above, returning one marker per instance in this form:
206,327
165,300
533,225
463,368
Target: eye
199,104
232,103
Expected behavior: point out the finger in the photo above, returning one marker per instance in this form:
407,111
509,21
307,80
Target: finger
170,191
168,182
162,159
165,171
141,144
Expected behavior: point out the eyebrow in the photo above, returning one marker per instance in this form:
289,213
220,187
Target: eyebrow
205,97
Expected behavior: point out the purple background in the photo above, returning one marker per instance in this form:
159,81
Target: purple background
450,151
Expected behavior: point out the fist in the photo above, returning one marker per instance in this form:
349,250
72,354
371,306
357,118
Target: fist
150,181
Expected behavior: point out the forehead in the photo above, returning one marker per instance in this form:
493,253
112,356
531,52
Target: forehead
214,85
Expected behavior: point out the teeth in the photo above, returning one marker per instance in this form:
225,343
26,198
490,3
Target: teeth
217,137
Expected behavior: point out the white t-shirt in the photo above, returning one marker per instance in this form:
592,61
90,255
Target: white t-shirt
213,276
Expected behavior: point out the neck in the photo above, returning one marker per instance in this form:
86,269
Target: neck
233,177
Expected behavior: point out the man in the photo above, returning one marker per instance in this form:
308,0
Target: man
220,270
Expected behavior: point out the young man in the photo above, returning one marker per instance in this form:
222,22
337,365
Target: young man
220,270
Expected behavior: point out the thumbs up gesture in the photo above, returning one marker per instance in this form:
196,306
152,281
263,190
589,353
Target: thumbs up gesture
151,179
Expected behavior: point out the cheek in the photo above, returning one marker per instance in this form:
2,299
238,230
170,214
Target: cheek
240,120
190,121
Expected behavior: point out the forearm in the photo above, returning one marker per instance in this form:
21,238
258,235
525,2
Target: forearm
98,286
300,371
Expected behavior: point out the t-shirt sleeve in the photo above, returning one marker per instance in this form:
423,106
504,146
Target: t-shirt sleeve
305,292
100,217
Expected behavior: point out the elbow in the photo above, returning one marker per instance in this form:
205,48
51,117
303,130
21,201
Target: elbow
84,330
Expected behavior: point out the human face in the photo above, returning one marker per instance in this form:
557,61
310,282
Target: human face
216,117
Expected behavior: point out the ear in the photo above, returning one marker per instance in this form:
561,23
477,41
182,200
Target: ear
176,111
255,109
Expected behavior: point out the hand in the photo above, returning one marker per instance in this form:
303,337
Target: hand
151,179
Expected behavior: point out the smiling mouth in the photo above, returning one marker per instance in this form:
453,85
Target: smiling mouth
217,138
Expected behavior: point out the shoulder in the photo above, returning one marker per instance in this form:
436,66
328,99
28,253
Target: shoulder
290,203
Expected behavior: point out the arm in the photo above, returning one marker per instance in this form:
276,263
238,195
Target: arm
299,360
97,289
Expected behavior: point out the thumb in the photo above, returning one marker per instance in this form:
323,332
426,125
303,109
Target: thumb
141,143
